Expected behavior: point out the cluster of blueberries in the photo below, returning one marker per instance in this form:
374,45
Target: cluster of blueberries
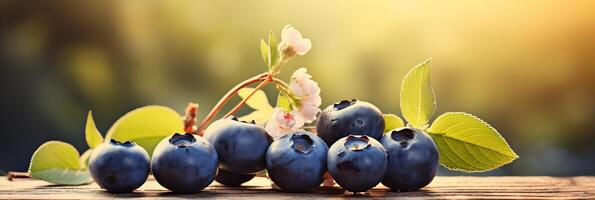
231,152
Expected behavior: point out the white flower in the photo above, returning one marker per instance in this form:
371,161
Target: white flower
293,43
307,90
282,122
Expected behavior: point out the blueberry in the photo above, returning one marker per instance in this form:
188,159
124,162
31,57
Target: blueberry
349,118
412,159
296,162
119,167
184,163
357,162
232,179
241,146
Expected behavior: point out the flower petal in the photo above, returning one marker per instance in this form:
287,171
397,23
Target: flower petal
290,36
282,122
303,47
308,92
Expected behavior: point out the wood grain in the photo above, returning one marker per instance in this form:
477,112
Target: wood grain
541,187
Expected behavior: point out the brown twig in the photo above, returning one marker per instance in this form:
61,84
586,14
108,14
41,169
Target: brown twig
241,103
205,122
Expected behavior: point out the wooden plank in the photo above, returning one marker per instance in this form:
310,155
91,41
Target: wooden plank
441,188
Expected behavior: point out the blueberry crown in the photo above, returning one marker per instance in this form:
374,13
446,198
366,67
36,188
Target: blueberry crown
403,136
234,118
126,143
357,142
344,104
182,140
302,143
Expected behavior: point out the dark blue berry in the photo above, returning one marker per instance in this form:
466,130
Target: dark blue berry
296,162
241,146
357,162
232,179
412,159
349,118
119,167
184,163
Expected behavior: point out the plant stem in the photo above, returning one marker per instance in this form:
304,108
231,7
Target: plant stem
280,83
239,105
233,91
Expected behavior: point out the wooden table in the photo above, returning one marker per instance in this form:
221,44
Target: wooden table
538,187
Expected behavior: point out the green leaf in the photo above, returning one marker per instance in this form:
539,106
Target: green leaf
391,122
92,135
467,143
273,51
264,51
258,101
84,160
417,96
146,126
58,162
284,103
259,116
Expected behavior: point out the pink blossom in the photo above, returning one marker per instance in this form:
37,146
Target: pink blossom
308,92
293,43
282,122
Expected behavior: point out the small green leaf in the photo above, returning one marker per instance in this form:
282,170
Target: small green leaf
284,103
146,126
259,116
417,96
84,160
466,143
392,122
258,101
264,51
273,51
58,162
92,135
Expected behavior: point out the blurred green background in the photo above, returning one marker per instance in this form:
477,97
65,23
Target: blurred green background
527,67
